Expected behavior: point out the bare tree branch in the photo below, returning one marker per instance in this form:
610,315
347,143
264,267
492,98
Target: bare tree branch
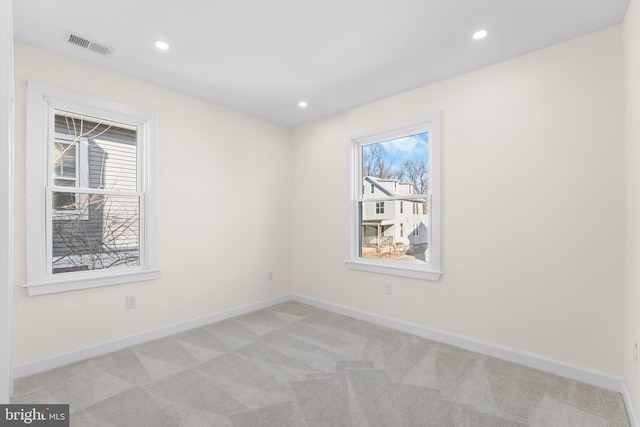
374,162
416,172
94,231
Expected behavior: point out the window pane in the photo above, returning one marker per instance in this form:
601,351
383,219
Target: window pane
396,167
393,234
64,160
100,232
63,182
108,158
64,201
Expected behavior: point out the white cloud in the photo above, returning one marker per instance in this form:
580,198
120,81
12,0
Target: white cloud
408,147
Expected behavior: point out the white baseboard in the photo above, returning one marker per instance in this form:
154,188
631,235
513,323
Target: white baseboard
41,365
629,403
584,375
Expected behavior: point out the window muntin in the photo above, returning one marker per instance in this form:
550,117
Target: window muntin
95,198
402,162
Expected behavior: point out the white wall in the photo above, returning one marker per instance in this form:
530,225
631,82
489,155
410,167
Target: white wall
533,184
533,216
632,181
220,233
6,195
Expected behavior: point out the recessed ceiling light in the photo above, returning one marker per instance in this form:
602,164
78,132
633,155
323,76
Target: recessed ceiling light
302,104
162,45
478,35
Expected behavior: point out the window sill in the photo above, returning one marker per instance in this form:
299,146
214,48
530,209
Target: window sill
394,269
67,283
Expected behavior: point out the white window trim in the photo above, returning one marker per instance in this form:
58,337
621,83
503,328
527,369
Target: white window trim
41,100
431,270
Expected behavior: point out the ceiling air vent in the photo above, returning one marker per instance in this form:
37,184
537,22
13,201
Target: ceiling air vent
89,44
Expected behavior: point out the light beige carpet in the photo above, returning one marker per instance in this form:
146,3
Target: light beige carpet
295,365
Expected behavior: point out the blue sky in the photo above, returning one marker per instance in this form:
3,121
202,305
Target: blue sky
414,147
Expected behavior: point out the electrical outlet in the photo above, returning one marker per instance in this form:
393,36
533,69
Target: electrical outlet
388,288
270,275
131,302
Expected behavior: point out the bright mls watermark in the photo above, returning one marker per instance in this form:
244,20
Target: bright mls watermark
34,415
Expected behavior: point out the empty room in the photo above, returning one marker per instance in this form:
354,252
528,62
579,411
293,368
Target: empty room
356,213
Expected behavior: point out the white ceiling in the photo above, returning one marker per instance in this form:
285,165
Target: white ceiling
262,57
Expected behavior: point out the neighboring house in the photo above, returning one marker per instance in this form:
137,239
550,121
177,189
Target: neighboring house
399,225
94,230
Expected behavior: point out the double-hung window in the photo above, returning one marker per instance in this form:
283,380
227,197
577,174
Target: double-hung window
91,217
402,162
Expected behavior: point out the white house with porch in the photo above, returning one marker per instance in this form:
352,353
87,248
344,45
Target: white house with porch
399,225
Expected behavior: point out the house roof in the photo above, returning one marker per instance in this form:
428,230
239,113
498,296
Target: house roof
378,183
